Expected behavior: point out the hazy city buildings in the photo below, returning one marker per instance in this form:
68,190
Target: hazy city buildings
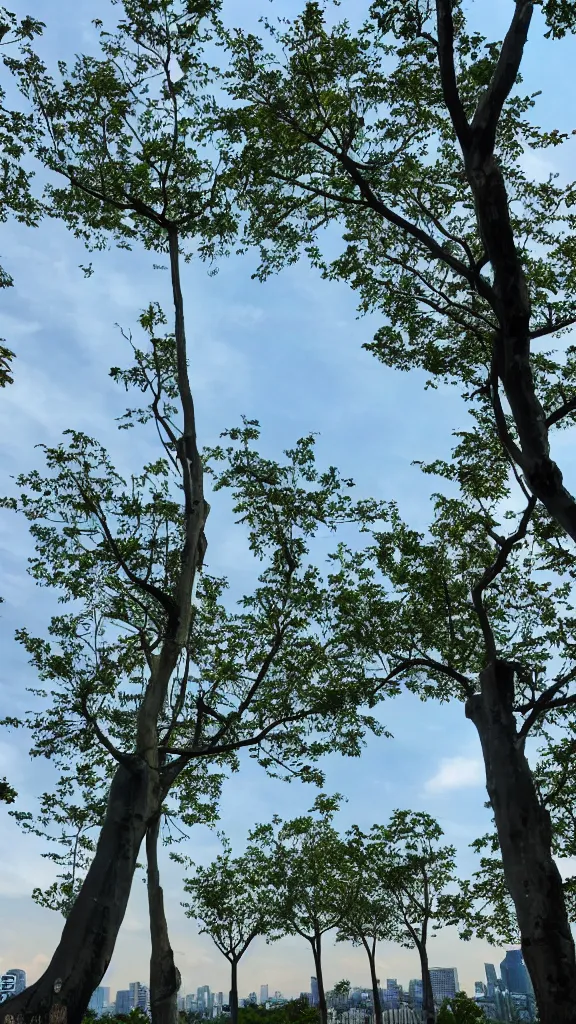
100,1000
314,995
123,1004
263,994
498,998
444,981
12,982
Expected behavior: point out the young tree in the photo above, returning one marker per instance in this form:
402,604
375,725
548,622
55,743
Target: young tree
226,899
310,881
372,915
137,668
409,133
460,1009
413,870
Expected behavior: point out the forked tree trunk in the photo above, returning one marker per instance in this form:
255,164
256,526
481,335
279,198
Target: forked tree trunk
525,836
233,992
62,994
164,975
374,979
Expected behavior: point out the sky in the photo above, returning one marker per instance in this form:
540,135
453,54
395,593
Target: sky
287,352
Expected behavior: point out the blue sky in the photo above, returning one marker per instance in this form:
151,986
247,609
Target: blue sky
289,353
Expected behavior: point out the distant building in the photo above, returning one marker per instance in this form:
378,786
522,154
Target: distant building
20,977
391,995
190,1002
444,982
514,973
143,998
253,998
204,999
182,1002
314,993
415,992
263,994
100,1000
123,1001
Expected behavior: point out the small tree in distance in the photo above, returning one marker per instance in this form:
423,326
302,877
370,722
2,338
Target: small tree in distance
227,899
310,878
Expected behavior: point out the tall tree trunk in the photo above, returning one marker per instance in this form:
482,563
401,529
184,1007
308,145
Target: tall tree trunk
525,836
164,975
62,994
234,992
428,1007
316,944
371,951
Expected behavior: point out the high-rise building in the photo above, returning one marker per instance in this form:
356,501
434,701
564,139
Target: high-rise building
391,995
181,1000
20,977
314,993
190,1002
415,992
263,993
204,999
444,981
100,1000
253,998
143,998
514,973
123,1001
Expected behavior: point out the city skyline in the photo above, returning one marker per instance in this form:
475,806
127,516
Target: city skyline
246,340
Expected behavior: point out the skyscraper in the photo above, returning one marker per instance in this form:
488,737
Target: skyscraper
491,978
204,998
143,998
100,1000
314,994
415,993
444,982
263,993
391,994
514,973
123,1004
20,977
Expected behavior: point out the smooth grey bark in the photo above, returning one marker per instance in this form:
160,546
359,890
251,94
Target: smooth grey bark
85,949
525,837
164,975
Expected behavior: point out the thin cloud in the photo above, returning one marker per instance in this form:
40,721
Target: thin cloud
456,773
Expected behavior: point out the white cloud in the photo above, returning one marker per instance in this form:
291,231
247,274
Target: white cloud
456,773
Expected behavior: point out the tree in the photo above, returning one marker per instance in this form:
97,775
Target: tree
16,137
295,1011
309,878
408,132
479,609
225,898
372,915
412,870
7,792
137,668
460,1009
